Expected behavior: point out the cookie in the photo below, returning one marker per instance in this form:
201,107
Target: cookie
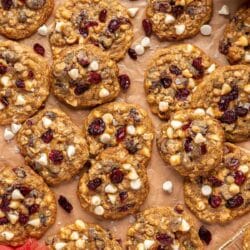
163,228
27,205
191,142
85,76
236,37
103,23
53,146
224,94
20,19
82,235
224,194
178,19
115,186
246,240
172,75
25,82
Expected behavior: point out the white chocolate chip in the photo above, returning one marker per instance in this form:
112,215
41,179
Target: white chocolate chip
80,224
210,111
224,10
163,106
74,74
206,30
148,243
59,245
199,138
94,65
167,186
13,218
8,135
185,227
7,235
96,200
71,151
105,138
176,124
244,168
74,235
132,12
107,118
211,68
80,243
234,189
15,127
145,42
104,93
199,111
35,222
140,246
20,100
139,49
206,190
132,175
17,195
126,166
131,130
112,198
2,106
99,210
247,56
46,122
169,19
43,160
135,184
5,80
43,30
110,188
180,29
59,26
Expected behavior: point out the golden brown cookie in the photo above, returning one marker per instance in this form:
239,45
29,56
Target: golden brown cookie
246,239
103,23
163,228
115,186
53,146
191,142
224,194
27,205
172,75
20,19
24,80
85,76
82,235
175,20
224,94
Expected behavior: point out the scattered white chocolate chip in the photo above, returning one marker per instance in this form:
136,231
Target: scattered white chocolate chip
17,195
80,243
167,186
43,160
139,49
148,244
210,111
105,138
35,222
20,100
211,68
74,235
131,130
176,124
15,127
8,135
169,19
135,184
59,245
199,111
140,246
185,227
107,118
46,122
206,30
59,26
132,175
7,235
244,168
71,151
74,74
80,224
112,198
180,29
224,10
145,42
94,65
43,30
163,106
133,11
234,189
199,138
2,106
99,210
5,80
13,218
206,190
247,56
110,188
104,93
126,166
96,200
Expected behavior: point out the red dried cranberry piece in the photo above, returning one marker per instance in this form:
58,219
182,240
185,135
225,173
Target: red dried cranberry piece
3,69
120,133
174,70
94,184
164,239
241,111
147,26
224,46
81,88
65,204
24,190
203,148
56,156
94,77
229,117
132,54
33,208
116,176
103,15
235,201
205,235
239,177
131,146
114,25
23,219
223,103
177,10
4,221
89,24
214,201
124,81
83,62
6,4
188,147
96,127
4,206
197,64
232,163
215,181
123,196
186,125
182,94
5,101
84,31
47,136
166,82
20,84
39,49
31,74
234,93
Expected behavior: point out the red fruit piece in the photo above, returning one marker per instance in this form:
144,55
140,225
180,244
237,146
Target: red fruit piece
47,136
94,184
182,94
114,25
124,81
4,206
229,117
188,147
3,69
241,111
239,177
215,181
56,156
235,201
232,163
39,49
120,133
103,15
116,176
33,208
147,26
164,239
20,84
203,148
23,219
205,235
4,221
5,101
166,82
24,190
132,54
96,127
214,201
94,77
175,70
65,204
6,4
81,88
123,196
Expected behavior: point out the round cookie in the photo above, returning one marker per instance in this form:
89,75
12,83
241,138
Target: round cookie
175,20
24,80
224,194
53,146
172,75
191,142
82,235
236,38
103,23
27,205
224,94
85,76
120,123
115,186
20,19
246,239
163,228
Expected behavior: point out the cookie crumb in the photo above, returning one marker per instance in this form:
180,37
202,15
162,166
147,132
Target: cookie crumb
224,10
43,30
133,12
168,186
206,30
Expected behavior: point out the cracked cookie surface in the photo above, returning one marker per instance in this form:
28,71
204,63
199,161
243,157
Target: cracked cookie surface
53,146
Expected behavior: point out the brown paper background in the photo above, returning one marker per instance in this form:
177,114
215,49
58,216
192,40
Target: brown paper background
158,171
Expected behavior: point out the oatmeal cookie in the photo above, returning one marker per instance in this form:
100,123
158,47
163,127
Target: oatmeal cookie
236,39
20,19
27,205
224,94
175,20
246,240
120,123
85,76
53,146
172,75
225,193
115,186
25,82
191,142
103,23
163,228
82,235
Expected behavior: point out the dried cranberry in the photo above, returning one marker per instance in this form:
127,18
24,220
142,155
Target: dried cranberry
120,133
4,206
164,239
232,163
223,103
56,156
83,62
94,77
114,25
235,201
3,69
20,84
186,125
89,24
116,176
23,219
131,146
103,15
215,181
224,46
203,148
124,81
96,127
229,117
65,204
6,4
39,49
84,31
162,7
214,201
205,235
134,114
132,54
125,207
4,100
47,136
81,88
31,74
166,82
147,26
188,147
94,184
177,10
24,190
123,195
174,70
4,221
241,111
239,177
33,208
197,64
234,93
182,94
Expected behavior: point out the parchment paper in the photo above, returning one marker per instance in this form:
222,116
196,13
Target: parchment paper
158,171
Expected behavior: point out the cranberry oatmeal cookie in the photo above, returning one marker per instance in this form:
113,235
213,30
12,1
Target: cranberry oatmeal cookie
115,186
225,95
236,39
163,228
25,82
225,193
21,18
27,205
85,76
174,20
82,235
172,75
53,146
103,23
120,123
246,239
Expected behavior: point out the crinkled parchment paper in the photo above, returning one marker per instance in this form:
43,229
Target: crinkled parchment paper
158,171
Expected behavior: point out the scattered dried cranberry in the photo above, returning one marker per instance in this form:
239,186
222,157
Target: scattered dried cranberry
177,10
24,190
94,77
120,133
20,84
56,156
65,204
81,88
132,54
174,70
94,184
229,117
116,176
164,239
224,47
4,221
84,31
47,136
232,163
96,127
4,206
4,100
131,146
33,208
31,74
83,62
6,4
124,81
234,93
3,69
241,111
188,147
114,25
123,196
103,15
23,219
223,103
166,82
205,235
214,201
235,201
239,177
39,49
203,148
215,181
197,64
186,125
90,23
182,94
147,26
